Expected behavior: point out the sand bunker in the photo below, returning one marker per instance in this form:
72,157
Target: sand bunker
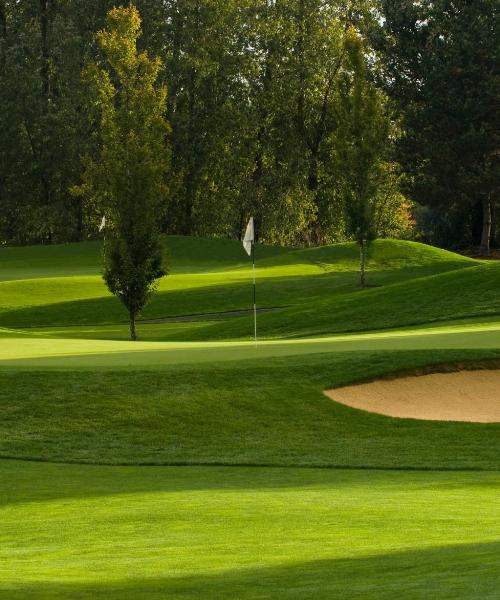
472,396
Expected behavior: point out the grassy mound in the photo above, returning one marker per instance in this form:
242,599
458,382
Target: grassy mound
194,402
255,412
197,393
315,288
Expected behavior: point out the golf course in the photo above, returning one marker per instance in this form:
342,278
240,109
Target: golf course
195,463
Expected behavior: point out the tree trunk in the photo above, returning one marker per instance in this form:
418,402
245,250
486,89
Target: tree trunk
189,195
312,182
484,249
133,331
362,263
45,185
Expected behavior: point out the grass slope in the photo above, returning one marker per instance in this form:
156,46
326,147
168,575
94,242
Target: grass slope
156,533
249,412
73,260
313,284
192,532
228,402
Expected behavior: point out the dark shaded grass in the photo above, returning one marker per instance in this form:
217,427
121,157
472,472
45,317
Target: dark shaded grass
468,572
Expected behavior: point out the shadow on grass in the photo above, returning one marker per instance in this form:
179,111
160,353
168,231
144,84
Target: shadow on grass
219,297
108,310
443,573
62,481
27,482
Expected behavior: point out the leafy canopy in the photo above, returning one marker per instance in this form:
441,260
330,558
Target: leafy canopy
128,178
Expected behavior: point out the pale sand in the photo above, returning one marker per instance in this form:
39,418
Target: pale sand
472,396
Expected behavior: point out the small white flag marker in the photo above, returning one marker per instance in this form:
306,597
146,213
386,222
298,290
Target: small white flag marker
249,245
249,238
103,224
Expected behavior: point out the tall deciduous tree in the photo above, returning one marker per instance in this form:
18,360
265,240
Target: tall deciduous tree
299,56
41,121
207,67
128,178
360,147
252,101
442,59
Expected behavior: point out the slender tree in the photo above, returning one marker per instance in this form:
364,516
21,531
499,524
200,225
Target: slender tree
360,147
128,178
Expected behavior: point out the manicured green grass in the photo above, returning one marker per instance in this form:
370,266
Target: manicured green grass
81,393
41,350
249,412
197,533
183,254
189,255
199,393
315,288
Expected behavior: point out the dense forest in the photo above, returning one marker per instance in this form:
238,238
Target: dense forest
275,108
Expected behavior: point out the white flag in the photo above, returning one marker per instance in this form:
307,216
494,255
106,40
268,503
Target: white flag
103,224
249,238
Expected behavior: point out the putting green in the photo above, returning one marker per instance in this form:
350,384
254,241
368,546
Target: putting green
44,353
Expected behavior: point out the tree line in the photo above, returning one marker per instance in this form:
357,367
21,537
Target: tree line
325,119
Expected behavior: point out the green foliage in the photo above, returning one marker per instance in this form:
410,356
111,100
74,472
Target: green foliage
286,219
254,104
441,62
42,131
129,179
251,104
360,149
394,216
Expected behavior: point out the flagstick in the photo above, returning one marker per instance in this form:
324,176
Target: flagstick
254,294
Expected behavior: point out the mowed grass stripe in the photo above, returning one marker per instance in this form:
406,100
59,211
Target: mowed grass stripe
41,353
190,533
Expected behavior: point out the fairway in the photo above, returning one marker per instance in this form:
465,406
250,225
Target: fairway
180,466
246,533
